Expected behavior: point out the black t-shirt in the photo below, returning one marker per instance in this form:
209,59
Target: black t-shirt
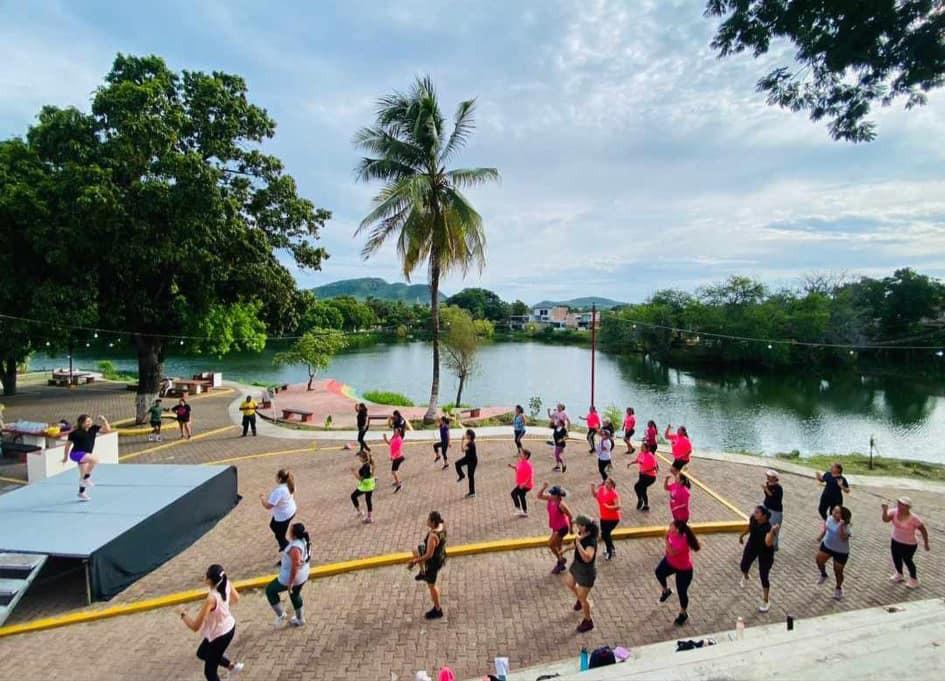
365,471
587,542
773,496
182,411
756,536
833,486
84,440
362,420
471,450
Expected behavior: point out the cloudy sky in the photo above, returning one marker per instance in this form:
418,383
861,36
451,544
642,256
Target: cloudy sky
632,159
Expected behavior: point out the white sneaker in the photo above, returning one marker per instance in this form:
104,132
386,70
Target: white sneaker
821,579
158,438
896,577
764,607
150,438
743,582
296,622
838,594
237,668
88,482
912,583
83,496
279,620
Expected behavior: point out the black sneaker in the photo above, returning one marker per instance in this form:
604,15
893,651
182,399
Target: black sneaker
681,619
433,614
460,478
418,577
397,488
445,466
564,469
665,595
645,509
471,495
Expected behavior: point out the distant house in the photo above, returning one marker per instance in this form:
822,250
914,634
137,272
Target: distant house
555,316
580,320
519,322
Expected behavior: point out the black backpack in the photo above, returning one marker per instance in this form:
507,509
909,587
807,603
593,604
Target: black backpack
601,657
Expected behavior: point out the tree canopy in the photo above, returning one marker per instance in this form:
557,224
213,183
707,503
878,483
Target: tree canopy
314,351
481,304
850,54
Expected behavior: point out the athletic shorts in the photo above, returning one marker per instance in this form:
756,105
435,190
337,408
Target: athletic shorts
395,464
562,532
155,424
841,558
78,455
627,434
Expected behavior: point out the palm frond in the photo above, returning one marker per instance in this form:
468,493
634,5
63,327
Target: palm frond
463,125
472,177
385,144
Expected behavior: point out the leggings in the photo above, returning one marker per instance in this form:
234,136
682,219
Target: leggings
361,443
519,434
602,466
470,462
591,432
826,505
279,528
212,654
559,455
519,498
275,587
765,561
606,528
440,449
683,580
903,553
644,481
368,496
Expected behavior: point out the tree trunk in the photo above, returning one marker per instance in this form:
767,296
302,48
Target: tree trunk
8,375
459,391
311,377
430,416
150,372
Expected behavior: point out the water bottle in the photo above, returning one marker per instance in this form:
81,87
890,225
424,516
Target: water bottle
585,660
740,628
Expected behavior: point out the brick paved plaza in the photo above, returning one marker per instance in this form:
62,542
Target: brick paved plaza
364,625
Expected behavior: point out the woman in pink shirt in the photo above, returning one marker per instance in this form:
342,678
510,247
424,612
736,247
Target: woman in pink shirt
678,494
649,467
904,544
215,623
523,482
681,446
680,542
559,520
593,426
396,444
652,434
629,428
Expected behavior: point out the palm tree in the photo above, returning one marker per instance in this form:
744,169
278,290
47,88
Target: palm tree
421,205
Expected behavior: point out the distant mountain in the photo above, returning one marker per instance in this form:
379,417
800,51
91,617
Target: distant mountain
373,287
580,303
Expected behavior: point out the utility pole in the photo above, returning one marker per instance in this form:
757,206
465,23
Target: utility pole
593,347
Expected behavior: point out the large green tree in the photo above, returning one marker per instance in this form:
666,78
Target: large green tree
421,207
314,351
174,214
481,303
850,54
461,343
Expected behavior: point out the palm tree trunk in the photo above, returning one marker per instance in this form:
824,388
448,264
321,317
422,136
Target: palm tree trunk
430,416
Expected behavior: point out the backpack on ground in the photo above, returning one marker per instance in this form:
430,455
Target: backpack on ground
601,657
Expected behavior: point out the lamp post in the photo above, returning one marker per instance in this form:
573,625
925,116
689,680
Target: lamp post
593,348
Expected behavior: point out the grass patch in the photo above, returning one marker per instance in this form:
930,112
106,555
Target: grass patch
387,397
859,464
110,373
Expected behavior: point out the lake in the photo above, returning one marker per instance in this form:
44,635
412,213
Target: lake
726,410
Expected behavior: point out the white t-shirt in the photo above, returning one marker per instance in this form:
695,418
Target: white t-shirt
283,503
604,448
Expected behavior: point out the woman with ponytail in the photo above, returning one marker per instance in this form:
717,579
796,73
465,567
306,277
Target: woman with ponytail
293,573
215,623
680,542
281,502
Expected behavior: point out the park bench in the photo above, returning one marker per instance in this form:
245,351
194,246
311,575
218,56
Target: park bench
193,386
304,416
472,412
379,417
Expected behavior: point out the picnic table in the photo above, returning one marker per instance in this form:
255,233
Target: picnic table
195,386
66,378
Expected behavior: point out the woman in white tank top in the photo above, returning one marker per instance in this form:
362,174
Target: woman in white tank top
215,623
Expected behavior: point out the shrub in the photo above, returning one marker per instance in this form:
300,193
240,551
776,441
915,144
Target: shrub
614,414
387,397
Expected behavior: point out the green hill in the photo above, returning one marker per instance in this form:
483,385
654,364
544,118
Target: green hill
373,287
582,303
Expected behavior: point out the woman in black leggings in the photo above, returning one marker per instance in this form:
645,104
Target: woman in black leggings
680,542
761,538
646,460
215,623
363,425
470,460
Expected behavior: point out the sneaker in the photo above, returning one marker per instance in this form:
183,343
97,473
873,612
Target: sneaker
418,577
158,438
764,607
645,509
564,469
896,577
557,469
397,488
368,520
558,568
471,495
83,496
433,614
665,595
445,466
296,622
460,478
279,620
358,514
584,626
608,555
743,582
150,438
524,514
577,606
233,671
822,578
838,594
681,619
912,583
88,482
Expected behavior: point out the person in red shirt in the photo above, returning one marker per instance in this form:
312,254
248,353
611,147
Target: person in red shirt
652,435
680,542
593,426
524,481
681,446
608,502
629,428
649,467
678,494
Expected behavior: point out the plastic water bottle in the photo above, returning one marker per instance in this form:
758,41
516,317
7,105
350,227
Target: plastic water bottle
740,628
585,660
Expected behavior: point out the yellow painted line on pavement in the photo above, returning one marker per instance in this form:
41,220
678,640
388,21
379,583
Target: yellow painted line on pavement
342,567
15,481
715,495
261,455
175,443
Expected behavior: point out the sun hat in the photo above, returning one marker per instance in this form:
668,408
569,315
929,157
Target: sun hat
905,501
771,474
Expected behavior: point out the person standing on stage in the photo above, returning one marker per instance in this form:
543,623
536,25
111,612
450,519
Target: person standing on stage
215,623
79,447
281,502
293,573
248,410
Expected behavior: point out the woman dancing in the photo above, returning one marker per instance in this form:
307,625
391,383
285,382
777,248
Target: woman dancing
834,541
678,485
293,574
79,447
834,487
681,446
560,437
629,428
649,467
523,482
215,624
470,460
680,542
363,424
761,535
281,503
367,483
431,557
608,505
518,426
559,520
583,573
904,544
